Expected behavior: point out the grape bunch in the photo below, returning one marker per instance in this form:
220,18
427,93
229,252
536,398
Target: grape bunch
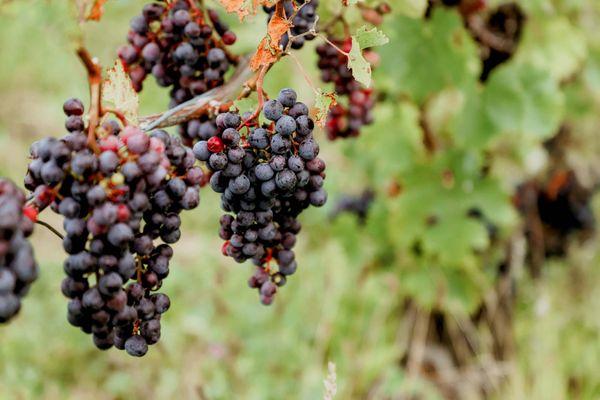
505,24
344,120
358,205
18,268
118,198
304,13
177,44
267,175
562,204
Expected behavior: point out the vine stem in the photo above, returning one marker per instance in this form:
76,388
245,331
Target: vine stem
304,73
116,113
95,81
429,140
50,228
333,44
261,96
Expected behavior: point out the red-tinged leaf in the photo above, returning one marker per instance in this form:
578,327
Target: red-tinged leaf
268,50
236,6
96,11
244,8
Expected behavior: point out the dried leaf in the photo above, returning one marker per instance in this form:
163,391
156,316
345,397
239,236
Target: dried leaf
323,104
97,11
243,8
268,50
89,10
118,90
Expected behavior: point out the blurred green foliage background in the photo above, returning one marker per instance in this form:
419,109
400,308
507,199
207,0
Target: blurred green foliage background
348,302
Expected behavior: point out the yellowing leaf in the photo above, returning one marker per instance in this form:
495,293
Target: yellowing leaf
323,104
118,91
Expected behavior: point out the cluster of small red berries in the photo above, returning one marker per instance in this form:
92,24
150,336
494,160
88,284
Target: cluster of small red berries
345,120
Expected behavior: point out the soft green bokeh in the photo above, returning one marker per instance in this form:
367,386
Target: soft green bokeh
346,303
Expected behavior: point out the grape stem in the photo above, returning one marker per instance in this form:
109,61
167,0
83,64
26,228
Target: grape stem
429,140
333,45
303,72
50,228
95,81
117,114
261,95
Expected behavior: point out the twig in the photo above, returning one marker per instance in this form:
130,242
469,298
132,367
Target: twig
303,71
116,113
261,97
333,44
50,228
429,140
487,37
418,342
95,80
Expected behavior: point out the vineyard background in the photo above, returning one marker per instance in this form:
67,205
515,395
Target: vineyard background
445,292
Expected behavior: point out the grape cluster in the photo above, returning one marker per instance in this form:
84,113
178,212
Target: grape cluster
116,203
562,205
177,44
505,24
18,268
497,31
344,120
358,205
267,175
304,14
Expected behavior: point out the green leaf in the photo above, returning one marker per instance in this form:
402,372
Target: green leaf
554,45
524,100
463,291
434,210
392,144
361,69
427,56
473,127
421,283
370,38
411,8
454,237
591,74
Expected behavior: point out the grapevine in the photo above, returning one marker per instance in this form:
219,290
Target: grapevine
407,188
